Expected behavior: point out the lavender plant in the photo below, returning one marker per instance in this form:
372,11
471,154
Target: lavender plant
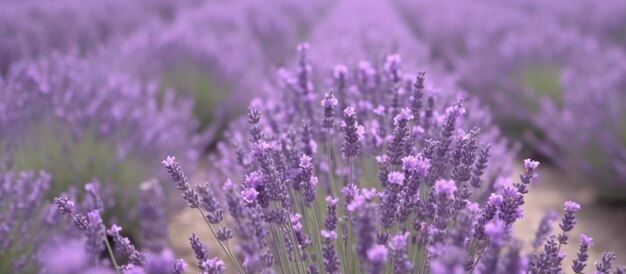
543,78
32,30
105,126
97,238
308,198
216,54
23,219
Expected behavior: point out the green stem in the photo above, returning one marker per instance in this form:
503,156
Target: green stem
317,235
279,251
110,250
230,256
330,163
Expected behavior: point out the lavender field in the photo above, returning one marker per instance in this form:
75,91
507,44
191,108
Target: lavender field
318,136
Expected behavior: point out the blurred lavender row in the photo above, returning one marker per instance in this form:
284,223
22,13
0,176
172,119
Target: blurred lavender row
548,77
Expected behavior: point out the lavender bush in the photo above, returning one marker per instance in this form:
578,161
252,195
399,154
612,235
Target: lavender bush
217,54
307,198
23,219
81,122
544,86
31,30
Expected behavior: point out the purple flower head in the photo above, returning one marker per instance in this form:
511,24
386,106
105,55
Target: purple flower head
445,188
496,232
530,171
331,201
404,116
455,110
248,196
169,161
330,221
569,219
177,174
398,242
65,205
582,256
377,253
416,164
396,178
305,162
571,207
179,266
213,266
349,192
329,235
495,199
224,234
353,133
606,263
329,100
357,203
329,103
199,250
586,240
254,179
530,164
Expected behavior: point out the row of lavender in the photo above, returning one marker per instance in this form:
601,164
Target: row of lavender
300,189
302,196
90,97
553,72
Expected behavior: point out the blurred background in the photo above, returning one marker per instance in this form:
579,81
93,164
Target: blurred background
101,91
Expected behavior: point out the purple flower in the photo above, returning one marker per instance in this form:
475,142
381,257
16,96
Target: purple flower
248,195
330,221
329,103
179,266
416,164
569,220
377,256
605,265
445,188
65,206
580,262
496,231
328,235
308,181
396,178
213,266
353,133
198,248
177,174
398,247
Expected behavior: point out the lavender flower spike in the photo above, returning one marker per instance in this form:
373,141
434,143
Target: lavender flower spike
581,258
174,169
329,103
353,133
568,221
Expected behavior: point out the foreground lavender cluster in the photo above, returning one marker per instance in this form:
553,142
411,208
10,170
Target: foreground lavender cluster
553,73
373,176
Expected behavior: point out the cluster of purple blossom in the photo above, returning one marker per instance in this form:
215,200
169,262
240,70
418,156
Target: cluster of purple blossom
546,71
379,174
309,201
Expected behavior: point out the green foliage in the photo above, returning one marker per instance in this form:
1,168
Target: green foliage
544,81
75,161
206,93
